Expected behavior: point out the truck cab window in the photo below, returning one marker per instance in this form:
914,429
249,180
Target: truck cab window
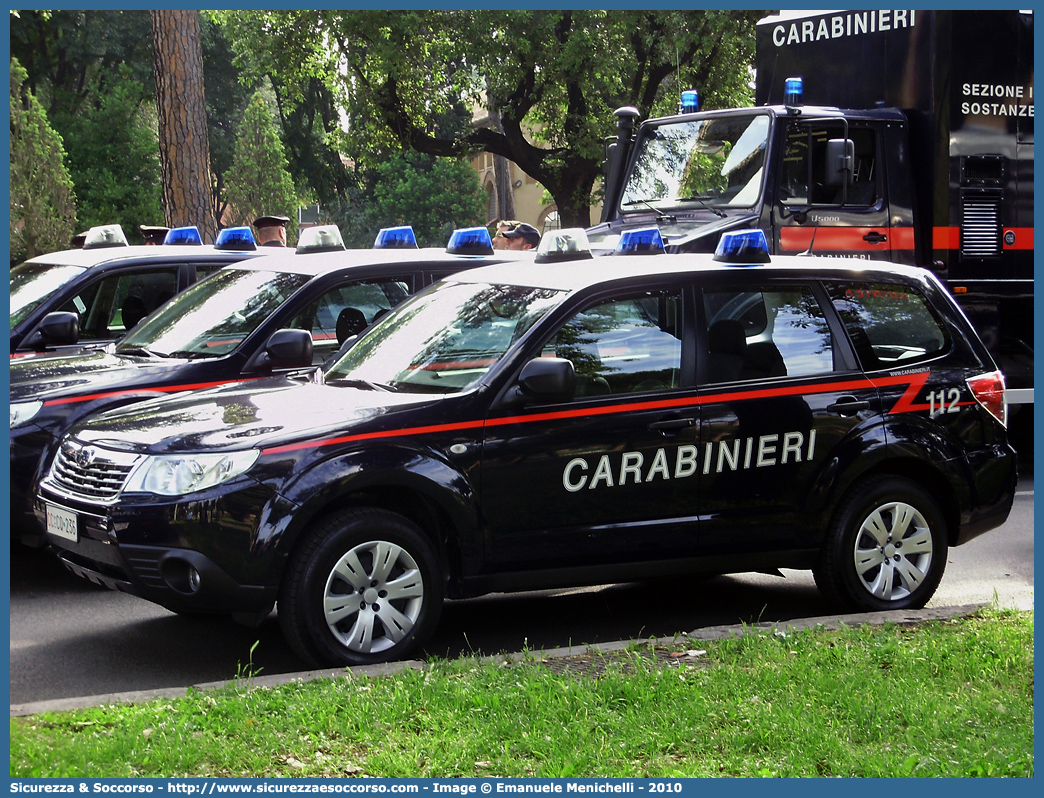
806,178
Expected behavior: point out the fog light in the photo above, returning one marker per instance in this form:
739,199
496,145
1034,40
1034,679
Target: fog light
193,579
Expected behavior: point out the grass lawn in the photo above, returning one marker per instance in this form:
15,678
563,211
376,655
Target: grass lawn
947,698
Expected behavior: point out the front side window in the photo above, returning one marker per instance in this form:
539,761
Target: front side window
32,283
347,310
445,339
759,333
716,161
214,316
890,324
111,306
625,345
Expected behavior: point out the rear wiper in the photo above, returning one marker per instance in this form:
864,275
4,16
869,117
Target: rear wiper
702,199
664,217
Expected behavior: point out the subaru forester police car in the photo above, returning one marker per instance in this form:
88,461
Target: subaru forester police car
94,295
287,311
571,422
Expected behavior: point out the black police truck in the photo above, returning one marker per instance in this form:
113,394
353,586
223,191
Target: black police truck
896,135
568,423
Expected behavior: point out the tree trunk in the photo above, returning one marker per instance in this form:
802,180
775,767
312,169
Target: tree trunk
183,141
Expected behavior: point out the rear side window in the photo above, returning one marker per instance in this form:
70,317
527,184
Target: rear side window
890,325
774,331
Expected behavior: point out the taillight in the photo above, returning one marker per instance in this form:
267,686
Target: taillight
988,390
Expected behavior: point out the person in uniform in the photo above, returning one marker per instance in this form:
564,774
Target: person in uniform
271,230
153,234
499,242
520,236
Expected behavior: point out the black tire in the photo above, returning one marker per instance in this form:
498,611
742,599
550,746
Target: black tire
886,549
358,554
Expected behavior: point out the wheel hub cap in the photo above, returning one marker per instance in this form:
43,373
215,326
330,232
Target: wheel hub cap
373,597
893,551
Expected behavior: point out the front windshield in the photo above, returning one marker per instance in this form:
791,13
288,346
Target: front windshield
444,340
32,283
214,316
704,162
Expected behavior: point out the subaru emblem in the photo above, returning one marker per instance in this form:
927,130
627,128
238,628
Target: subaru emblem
85,457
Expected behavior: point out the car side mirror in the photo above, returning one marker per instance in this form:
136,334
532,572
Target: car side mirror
60,328
547,379
285,349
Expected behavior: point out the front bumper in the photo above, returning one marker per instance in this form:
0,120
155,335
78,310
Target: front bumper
28,447
197,556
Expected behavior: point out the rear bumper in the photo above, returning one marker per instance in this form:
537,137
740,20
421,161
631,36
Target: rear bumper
996,478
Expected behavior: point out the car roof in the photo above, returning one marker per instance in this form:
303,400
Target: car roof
94,257
313,264
576,275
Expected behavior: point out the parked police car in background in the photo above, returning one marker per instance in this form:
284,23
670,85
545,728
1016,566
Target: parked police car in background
95,294
287,311
569,423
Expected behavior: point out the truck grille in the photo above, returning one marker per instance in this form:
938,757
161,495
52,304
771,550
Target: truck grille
980,228
89,472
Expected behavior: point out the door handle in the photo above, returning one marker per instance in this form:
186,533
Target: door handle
848,406
672,424
874,237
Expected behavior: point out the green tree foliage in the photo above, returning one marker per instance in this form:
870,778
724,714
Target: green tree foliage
227,97
114,157
432,195
76,59
259,183
554,76
43,210
74,56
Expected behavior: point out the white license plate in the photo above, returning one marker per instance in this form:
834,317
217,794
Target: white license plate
62,523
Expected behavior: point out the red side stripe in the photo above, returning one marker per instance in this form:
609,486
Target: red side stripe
950,238
198,386
845,239
916,382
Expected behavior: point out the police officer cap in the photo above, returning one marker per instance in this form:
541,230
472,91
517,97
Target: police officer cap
153,232
271,221
526,231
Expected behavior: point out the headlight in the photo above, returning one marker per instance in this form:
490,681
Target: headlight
176,475
23,411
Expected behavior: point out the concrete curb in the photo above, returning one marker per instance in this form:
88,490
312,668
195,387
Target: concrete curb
901,618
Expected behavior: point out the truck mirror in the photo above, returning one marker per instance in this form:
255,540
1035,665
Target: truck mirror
840,162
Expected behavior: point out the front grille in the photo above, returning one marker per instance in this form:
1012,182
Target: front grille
89,472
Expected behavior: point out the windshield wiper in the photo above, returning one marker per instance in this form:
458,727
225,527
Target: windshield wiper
373,386
664,217
138,350
190,355
702,199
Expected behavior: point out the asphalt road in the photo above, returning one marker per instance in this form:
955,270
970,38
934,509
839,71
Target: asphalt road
70,638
